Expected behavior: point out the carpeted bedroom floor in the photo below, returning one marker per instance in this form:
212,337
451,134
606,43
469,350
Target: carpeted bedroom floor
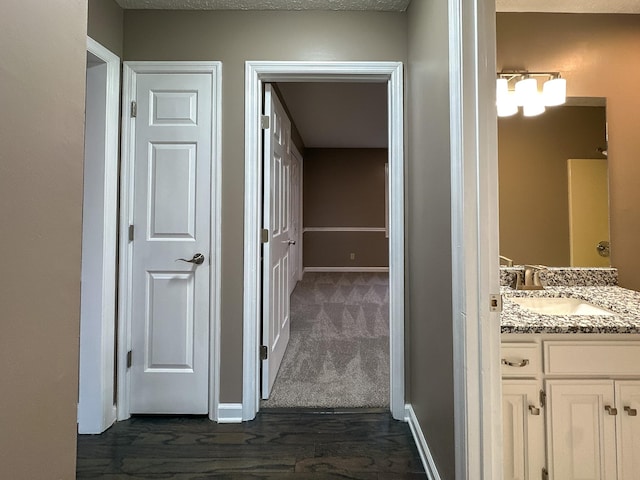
338,353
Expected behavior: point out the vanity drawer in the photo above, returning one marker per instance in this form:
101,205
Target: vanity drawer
592,358
520,359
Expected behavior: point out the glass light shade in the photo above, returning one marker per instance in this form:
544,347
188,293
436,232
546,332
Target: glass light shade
507,105
526,91
505,100
554,92
534,106
502,89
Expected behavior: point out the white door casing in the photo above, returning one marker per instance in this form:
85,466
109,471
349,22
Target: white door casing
96,409
276,251
170,307
256,73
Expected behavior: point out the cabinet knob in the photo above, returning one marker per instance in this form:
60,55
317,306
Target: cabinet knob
611,410
534,410
632,412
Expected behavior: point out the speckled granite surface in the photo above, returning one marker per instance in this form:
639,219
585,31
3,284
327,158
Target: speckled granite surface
566,277
625,304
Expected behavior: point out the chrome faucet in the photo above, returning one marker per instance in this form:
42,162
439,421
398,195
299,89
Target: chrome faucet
531,280
506,260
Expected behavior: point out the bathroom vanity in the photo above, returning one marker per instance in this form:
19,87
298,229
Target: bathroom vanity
571,378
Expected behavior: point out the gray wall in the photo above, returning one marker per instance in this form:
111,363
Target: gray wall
105,24
42,73
345,187
429,297
233,38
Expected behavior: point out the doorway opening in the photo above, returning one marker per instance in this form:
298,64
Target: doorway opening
96,393
337,338
258,73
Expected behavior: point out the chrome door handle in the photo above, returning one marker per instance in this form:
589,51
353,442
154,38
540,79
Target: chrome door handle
289,242
198,259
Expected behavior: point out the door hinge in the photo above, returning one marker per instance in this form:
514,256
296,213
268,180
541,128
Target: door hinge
495,302
264,352
543,398
134,109
264,122
264,235
129,359
545,474
131,233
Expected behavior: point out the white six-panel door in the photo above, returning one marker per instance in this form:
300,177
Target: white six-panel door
171,225
276,253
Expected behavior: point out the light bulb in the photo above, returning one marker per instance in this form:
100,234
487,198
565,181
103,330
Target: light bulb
534,106
554,92
526,90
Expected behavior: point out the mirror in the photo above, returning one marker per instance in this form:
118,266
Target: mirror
553,186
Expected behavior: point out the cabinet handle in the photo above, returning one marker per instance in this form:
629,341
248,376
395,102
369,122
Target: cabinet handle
534,410
521,364
632,412
611,410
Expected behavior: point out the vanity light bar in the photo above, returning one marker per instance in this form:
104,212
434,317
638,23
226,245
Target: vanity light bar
525,92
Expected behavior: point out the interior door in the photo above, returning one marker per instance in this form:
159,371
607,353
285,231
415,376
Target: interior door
170,266
588,212
294,220
276,251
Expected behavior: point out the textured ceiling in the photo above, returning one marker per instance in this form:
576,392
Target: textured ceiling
379,5
569,6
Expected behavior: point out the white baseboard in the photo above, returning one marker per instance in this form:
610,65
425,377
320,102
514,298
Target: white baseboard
421,444
229,413
346,269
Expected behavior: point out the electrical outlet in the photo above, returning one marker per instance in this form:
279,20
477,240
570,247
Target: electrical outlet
352,256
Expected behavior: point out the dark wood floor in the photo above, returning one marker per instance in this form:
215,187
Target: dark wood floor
276,445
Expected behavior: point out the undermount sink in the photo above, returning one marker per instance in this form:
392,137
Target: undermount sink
559,306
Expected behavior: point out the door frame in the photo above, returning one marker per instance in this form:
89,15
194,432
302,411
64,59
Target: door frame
92,418
256,73
130,71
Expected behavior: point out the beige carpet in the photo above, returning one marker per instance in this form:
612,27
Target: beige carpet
338,353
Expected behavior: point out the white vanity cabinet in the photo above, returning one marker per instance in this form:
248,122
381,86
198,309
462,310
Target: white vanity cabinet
588,427
522,430
522,416
594,431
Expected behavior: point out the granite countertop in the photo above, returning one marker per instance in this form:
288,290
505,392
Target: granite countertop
625,304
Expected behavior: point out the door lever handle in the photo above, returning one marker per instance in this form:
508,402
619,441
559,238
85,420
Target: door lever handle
289,242
197,259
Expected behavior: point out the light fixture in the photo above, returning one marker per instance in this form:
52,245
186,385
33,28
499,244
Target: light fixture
505,100
519,88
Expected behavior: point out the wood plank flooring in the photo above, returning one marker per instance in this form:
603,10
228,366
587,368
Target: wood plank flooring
286,444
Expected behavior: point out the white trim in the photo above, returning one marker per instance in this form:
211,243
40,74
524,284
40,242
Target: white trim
229,413
344,229
346,269
104,357
474,229
130,70
257,72
421,444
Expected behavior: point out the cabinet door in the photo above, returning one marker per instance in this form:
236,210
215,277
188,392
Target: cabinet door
581,433
628,429
523,430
